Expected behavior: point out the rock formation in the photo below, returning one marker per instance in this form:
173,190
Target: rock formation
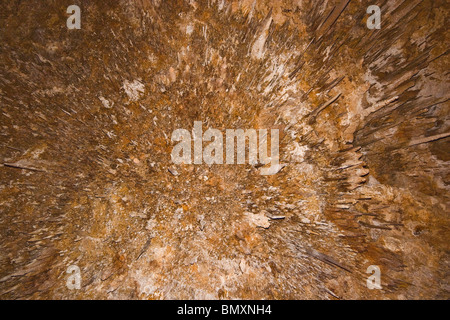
85,147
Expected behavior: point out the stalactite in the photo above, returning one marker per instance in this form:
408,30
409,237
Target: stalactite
87,179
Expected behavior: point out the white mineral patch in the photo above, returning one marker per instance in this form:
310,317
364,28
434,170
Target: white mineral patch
189,29
272,169
106,103
258,45
134,90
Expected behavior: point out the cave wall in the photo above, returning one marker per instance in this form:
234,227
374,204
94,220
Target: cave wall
85,138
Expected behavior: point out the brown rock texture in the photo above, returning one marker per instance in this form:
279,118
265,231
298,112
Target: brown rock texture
86,176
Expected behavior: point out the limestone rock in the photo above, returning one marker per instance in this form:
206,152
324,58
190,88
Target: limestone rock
86,177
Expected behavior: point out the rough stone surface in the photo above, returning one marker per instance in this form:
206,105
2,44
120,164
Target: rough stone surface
87,179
